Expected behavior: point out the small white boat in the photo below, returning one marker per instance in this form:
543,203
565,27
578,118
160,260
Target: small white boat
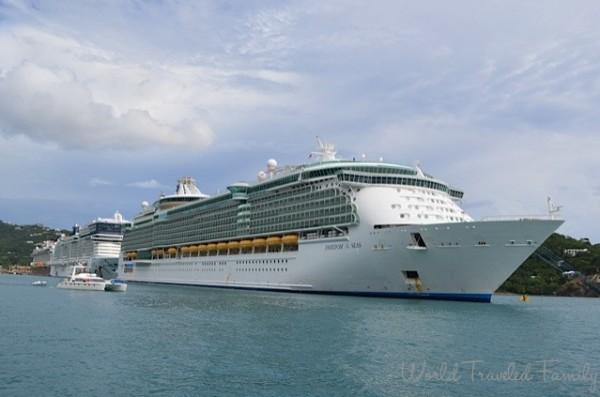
116,285
82,280
39,283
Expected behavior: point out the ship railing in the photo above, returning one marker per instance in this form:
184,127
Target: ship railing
520,218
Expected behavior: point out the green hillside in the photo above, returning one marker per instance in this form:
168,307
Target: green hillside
17,242
537,277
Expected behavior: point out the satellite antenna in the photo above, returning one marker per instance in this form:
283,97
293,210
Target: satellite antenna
553,209
118,217
262,176
272,165
418,168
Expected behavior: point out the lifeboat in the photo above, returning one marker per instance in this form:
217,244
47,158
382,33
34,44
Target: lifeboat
233,245
273,240
290,239
154,252
172,251
193,249
185,250
244,244
259,242
211,247
221,246
203,248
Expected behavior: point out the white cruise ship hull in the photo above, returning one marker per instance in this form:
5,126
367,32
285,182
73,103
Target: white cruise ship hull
460,261
103,266
61,269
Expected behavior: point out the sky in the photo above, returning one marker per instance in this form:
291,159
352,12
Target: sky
105,104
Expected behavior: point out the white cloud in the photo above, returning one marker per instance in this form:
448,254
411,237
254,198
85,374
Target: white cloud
95,182
266,34
149,184
57,89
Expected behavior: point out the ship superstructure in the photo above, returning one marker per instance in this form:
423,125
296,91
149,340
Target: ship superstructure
96,246
42,253
334,226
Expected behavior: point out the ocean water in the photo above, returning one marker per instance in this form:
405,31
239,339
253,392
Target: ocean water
193,341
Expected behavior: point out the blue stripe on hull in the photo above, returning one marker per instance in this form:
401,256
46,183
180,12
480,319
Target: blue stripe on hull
485,298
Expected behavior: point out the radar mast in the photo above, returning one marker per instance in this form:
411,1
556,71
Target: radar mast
326,151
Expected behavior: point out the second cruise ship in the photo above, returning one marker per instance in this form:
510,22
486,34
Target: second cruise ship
96,246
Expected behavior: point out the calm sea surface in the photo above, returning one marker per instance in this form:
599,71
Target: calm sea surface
191,341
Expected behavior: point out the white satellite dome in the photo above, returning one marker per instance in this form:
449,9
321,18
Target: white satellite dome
145,204
271,164
261,175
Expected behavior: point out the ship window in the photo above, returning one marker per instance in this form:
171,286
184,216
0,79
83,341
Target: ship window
411,274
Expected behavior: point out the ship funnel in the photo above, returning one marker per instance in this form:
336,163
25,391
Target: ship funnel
186,186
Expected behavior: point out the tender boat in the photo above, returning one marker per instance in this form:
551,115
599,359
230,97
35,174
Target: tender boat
116,285
82,280
39,283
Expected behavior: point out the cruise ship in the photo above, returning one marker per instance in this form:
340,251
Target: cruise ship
333,226
42,253
41,256
96,246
